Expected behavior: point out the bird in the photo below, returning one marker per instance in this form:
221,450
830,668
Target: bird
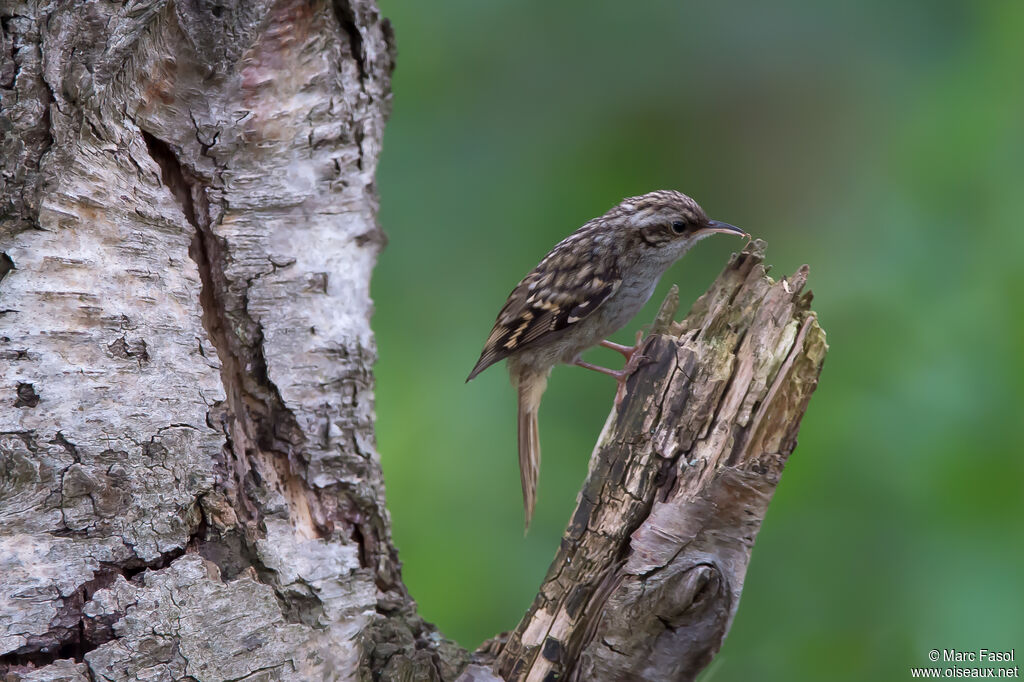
588,286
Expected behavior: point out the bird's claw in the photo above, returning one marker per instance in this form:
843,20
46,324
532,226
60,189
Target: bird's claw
626,351
636,361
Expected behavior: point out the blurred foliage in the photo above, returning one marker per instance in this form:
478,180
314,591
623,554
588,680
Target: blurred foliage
880,142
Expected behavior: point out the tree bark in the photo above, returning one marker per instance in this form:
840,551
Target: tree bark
189,483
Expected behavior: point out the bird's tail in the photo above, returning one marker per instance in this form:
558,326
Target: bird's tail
530,387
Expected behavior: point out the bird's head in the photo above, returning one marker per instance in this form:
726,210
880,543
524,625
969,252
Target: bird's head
667,223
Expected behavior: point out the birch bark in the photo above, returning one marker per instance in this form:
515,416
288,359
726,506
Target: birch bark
190,486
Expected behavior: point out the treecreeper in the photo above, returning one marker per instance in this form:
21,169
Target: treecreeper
587,287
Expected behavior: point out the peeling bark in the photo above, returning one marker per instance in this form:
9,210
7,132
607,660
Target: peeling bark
189,482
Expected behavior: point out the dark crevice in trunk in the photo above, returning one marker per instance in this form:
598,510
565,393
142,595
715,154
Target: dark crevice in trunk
69,637
346,16
263,440
263,437
6,265
73,634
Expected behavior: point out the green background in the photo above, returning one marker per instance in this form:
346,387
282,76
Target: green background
880,142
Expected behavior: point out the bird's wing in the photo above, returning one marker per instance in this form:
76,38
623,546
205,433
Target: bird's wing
559,292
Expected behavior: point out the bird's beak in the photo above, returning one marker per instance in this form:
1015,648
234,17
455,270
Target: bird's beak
718,227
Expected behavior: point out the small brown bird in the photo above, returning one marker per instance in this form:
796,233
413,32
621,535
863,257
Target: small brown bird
591,284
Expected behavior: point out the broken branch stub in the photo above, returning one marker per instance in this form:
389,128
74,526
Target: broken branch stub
651,567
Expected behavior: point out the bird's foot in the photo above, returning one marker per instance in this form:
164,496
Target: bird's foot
627,351
633,362
620,375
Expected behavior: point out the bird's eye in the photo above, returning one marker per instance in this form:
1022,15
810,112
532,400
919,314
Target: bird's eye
678,227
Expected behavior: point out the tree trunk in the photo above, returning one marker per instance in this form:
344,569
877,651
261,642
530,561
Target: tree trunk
189,231
189,485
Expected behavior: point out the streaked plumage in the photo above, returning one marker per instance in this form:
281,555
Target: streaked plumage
589,286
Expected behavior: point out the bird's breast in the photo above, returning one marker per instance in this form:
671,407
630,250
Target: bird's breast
615,313
627,302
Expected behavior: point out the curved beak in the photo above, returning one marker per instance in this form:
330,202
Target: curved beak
718,227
